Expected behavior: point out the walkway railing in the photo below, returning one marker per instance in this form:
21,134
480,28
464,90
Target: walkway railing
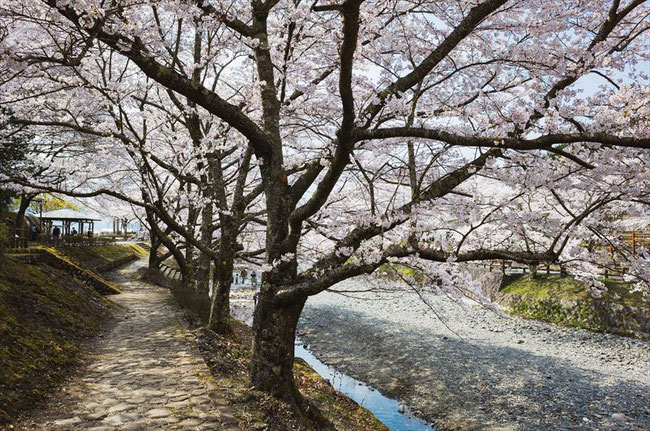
636,239
511,268
170,272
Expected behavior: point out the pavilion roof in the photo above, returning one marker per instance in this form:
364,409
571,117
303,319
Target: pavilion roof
68,214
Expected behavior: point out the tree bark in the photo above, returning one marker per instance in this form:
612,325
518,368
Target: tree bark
220,305
273,347
274,329
154,262
25,200
203,261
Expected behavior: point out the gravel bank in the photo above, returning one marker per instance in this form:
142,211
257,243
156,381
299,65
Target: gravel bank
503,374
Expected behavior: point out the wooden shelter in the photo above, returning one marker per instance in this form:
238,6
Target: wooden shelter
67,218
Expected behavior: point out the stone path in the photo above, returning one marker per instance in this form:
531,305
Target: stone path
146,374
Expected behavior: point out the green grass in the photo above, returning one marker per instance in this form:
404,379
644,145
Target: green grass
44,315
547,286
620,291
99,257
566,301
555,286
398,271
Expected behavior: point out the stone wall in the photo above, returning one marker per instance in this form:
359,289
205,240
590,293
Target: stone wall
491,281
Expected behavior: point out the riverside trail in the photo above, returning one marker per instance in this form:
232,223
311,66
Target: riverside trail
144,374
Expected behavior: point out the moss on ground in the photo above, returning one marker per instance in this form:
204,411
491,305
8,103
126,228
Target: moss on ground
343,412
229,360
555,286
99,257
546,286
400,272
566,301
45,314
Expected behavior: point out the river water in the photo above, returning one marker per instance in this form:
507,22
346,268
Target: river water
388,410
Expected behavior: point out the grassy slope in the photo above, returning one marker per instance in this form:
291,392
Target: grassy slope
44,316
554,286
229,361
100,257
566,301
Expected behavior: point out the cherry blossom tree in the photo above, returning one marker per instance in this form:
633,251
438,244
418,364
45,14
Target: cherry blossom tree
378,126
185,163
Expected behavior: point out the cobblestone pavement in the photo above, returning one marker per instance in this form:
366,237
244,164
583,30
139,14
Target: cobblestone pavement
145,374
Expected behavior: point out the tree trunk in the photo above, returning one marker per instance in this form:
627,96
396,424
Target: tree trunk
154,262
223,269
204,261
220,305
189,271
25,200
274,330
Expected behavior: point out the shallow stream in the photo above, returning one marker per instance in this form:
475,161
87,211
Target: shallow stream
389,411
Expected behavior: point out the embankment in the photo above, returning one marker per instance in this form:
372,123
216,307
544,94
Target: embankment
566,301
50,305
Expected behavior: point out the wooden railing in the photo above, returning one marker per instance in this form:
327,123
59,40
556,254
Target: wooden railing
18,238
636,239
511,268
170,272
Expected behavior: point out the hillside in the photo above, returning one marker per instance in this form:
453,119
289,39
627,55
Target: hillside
45,316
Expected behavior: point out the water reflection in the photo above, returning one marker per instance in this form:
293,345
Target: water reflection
387,410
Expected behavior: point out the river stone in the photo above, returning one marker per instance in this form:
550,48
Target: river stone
158,413
65,422
121,408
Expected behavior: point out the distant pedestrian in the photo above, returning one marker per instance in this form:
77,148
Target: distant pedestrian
56,233
74,232
254,279
34,233
244,273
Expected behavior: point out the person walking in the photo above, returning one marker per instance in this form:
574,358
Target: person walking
34,231
56,233
244,273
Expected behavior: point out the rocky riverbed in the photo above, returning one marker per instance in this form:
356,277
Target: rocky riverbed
469,369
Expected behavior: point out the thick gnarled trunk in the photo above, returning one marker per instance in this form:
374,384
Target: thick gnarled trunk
220,305
273,347
274,329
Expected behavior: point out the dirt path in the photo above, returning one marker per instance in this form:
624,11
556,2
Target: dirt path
143,375
503,374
